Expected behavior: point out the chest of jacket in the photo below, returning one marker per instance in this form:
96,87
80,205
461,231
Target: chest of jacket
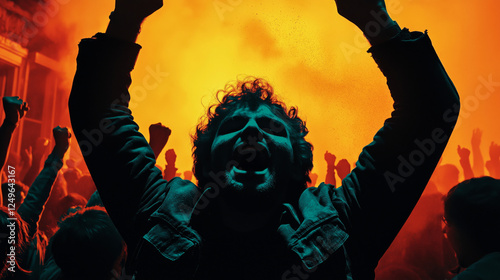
312,244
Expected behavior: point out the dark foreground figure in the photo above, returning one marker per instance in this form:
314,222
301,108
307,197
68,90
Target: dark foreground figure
472,225
251,216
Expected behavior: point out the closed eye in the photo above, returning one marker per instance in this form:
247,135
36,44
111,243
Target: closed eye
232,124
272,126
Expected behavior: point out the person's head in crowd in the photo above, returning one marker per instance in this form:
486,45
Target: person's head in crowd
59,191
82,166
13,235
67,202
446,177
95,200
250,131
84,186
71,176
20,192
431,189
472,219
88,246
71,164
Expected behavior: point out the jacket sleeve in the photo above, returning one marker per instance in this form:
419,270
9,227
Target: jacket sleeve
33,205
119,158
393,170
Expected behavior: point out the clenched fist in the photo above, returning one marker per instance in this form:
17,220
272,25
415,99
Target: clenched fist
61,136
136,10
158,137
360,12
14,108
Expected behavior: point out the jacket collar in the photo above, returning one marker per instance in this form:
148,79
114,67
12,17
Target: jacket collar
313,231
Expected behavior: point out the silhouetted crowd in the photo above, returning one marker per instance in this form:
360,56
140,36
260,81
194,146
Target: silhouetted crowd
421,249
52,218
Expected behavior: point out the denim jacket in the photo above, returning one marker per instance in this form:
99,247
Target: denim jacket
333,233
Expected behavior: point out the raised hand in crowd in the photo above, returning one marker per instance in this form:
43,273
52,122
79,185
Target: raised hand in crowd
464,155
493,164
158,137
477,156
62,136
343,168
330,171
330,158
14,109
33,205
38,152
26,161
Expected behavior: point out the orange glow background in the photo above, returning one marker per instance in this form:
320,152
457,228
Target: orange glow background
297,46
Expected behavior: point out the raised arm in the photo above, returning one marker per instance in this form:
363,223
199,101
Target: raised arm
39,192
393,170
158,137
121,162
477,156
493,164
343,168
41,146
14,108
464,155
125,21
330,168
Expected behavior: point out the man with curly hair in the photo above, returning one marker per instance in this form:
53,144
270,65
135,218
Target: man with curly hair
251,215
262,140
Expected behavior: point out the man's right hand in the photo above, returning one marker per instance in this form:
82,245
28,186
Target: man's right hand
125,22
136,10
360,12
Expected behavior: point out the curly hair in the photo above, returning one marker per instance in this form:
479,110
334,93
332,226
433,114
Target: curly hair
251,92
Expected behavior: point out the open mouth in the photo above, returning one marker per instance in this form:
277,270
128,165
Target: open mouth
251,158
